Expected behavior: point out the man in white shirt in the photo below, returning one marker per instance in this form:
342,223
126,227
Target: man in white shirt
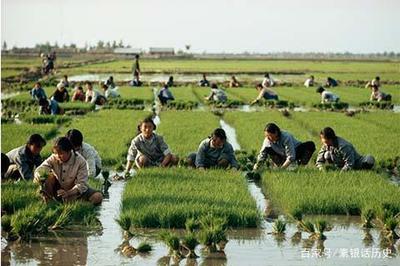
268,81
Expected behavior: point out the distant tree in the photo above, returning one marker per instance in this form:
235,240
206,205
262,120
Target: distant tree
56,45
4,47
121,44
108,45
72,46
114,44
100,45
187,46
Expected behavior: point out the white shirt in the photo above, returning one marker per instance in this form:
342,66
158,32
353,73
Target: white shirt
92,158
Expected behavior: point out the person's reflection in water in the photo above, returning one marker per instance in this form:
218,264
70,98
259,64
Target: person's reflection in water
67,249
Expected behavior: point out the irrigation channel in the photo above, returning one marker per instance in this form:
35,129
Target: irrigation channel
347,243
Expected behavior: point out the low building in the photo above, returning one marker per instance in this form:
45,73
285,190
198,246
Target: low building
161,51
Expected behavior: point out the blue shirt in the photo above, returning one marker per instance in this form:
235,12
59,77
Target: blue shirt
38,93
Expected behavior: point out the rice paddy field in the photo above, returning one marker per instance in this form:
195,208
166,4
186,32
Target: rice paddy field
279,217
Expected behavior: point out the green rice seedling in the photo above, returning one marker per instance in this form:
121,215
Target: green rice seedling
279,227
213,232
367,216
191,225
28,221
144,247
16,196
173,243
308,227
6,223
377,105
190,242
125,222
321,226
166,198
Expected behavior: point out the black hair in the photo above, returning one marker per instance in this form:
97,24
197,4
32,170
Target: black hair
43,102
214,86
104,86
80,88
312,76
219,133
148,119
136,56
88,83
266,75
63,144
328,133
75,136
36,140
320,89
38,83
111,78
171,78
377,78
273,128
259,85
65,76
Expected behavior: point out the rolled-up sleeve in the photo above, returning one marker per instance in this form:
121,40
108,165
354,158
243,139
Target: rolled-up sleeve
132,151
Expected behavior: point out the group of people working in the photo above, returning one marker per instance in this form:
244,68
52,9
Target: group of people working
51,105
64,175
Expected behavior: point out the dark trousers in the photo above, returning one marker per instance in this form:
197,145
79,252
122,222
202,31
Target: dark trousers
303,154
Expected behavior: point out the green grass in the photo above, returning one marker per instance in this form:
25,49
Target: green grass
26,215
13,135
166,198
142,93
315,192
184,130
110,132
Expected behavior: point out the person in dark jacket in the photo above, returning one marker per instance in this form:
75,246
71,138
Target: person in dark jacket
284,150
341,153
214,151
23,159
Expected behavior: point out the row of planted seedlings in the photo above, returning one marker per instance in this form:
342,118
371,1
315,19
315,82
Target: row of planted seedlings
206,203
308,191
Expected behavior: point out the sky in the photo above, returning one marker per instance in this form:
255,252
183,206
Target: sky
214,26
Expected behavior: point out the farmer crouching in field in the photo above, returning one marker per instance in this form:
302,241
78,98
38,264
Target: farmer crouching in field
378,95
165,95
64,175
330,82
309,82
109,92
93,96
90,154
38,92
214,151
285,151
78,95
49,107
22,160
204,82
216,94
264,92
327,96
149,149
340,153
60,94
